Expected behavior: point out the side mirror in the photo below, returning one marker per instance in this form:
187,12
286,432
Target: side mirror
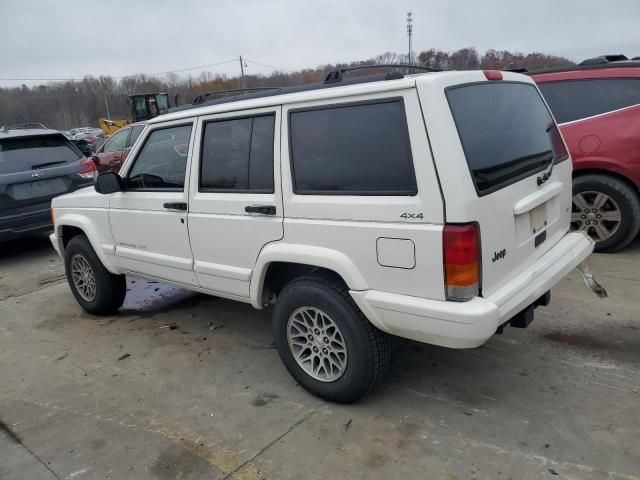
108,182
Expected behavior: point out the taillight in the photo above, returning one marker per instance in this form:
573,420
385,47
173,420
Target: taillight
461,261
90,171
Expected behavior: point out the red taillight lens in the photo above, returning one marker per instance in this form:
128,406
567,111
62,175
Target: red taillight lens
461,261
90,169
493,74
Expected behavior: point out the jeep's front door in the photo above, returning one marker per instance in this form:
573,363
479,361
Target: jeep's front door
235,204
149,217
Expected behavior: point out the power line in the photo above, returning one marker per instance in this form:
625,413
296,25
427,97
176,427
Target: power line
119,77
268,66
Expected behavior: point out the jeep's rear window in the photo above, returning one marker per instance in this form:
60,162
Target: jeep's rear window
506,132
20,154
352,149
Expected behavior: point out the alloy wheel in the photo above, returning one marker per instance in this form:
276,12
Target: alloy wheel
83,277
595,213
317,344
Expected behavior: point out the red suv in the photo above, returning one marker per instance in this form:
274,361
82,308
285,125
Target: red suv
111,155
597,105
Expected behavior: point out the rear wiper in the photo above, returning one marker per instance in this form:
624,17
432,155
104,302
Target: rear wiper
546,173
43,165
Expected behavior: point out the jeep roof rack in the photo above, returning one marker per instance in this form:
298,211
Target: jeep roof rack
272,91
232,92
336,75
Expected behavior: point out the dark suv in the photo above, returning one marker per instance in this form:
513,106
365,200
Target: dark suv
597,105
36,165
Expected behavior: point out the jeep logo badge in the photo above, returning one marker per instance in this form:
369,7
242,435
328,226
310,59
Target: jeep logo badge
37,175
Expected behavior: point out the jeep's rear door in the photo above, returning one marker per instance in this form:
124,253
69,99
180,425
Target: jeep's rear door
235,200
503,164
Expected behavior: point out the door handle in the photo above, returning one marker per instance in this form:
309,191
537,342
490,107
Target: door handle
263,209
175,206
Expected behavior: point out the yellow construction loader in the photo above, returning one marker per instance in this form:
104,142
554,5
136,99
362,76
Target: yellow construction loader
143,107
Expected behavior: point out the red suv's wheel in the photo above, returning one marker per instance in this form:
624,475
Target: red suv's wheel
607,209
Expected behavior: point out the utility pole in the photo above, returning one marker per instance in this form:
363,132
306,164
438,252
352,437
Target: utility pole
410,34
106,103
244,85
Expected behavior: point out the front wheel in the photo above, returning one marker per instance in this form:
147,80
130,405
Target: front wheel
326,342
607,209
96,289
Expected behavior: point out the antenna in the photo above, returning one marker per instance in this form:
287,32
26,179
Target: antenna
410,34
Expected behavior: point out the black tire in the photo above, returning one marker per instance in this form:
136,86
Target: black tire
628,203
367,347
110,289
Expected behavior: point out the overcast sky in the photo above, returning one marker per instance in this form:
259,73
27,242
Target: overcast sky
62,39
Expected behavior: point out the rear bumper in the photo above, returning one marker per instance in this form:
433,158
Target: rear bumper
470,324
25,224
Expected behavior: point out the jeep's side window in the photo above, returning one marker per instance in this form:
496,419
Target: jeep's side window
162,162
576,99
352,149
237,155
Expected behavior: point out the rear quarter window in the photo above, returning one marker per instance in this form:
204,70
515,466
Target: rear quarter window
506,131
27,153
572,100
352,149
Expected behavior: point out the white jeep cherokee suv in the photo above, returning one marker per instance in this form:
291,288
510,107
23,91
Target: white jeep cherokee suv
435,207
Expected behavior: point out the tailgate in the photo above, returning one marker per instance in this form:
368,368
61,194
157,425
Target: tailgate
512,173
33,170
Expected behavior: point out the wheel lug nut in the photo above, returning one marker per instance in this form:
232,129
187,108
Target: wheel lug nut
599,216
583,216
326,340
315,349
325,351
310,337
595,222
316,331
588,222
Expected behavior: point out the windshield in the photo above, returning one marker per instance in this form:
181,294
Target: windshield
506,131
29,153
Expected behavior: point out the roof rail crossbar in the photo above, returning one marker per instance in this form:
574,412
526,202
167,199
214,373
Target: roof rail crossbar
232,91
604,59
336,75
26,126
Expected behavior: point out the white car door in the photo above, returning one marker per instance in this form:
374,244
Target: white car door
235,204
149,217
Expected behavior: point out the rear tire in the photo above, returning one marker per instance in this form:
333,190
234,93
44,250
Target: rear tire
356,354
96,289
620,202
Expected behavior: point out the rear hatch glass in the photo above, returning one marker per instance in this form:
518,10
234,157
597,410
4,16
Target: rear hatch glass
506,132
35,169
510,140
31,153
